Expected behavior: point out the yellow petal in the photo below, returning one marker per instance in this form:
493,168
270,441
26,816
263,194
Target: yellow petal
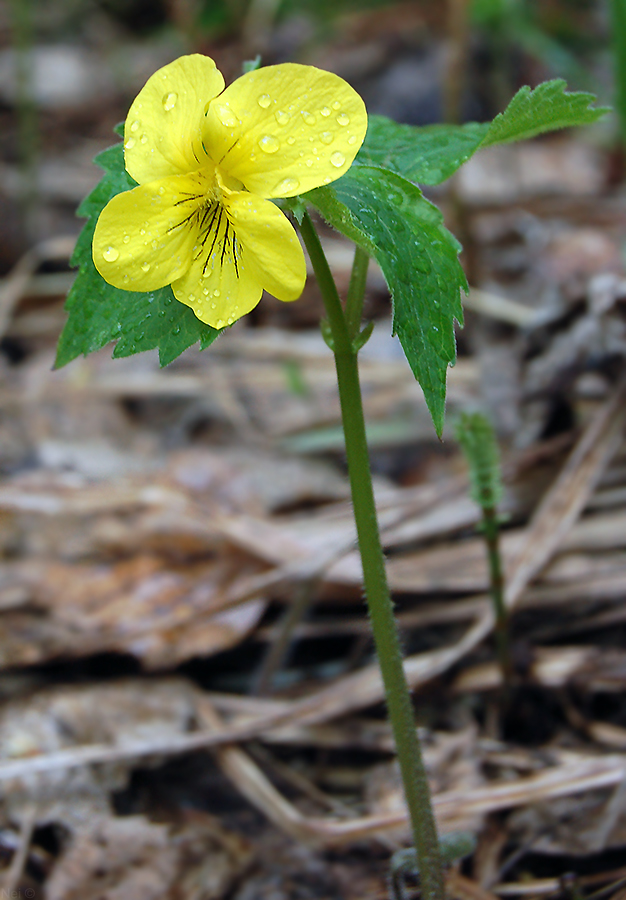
283,130
163,130
142,241
252,248
218,292
270,245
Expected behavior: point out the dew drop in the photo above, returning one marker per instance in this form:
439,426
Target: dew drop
327,180
226,115
126,238
264,101
143,139
205,291
214,306
308,118
220,323
230,320
309,163
216,292
343,119
161,190
169,101
176,330
352,140
192,297
337,159
155,245
336,105
325,111
126,279
145,267
252,157
134,127
269,144
327,137
286,186
291,140
142,231
282,117
111,254
130,143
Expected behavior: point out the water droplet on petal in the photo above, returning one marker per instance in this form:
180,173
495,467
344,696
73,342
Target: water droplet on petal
126,279
264,101
327,137
336,105
192,297
161,190
226,115
205,291
337,159
169,101
143,139
230,320
343,119
269,144
309,163
126,238
308,118
111,254
130,143
282,117
155,245
325,111
145,267
220,323
252,156
352,140
135,125
286,186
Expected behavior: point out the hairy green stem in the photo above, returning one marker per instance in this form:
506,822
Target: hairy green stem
384,628
356,291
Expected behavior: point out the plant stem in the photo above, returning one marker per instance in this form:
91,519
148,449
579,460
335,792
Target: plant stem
491,532
356,291
384,628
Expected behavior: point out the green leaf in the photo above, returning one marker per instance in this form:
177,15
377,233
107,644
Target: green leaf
100,313
432,154
427,155
388,216
548,108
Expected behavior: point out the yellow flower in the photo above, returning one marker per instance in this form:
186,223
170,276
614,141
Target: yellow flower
208,162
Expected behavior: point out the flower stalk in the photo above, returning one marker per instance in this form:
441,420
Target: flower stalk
345,342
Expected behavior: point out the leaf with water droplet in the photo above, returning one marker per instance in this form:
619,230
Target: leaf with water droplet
425,279
430,154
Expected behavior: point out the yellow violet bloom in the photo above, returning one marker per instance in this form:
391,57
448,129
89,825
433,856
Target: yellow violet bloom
208,161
